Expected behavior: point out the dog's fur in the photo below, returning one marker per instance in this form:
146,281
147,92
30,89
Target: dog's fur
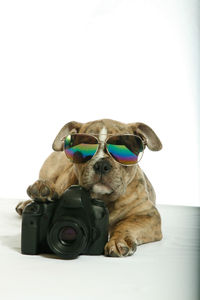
126,190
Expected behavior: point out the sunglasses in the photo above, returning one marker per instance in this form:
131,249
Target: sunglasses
126,149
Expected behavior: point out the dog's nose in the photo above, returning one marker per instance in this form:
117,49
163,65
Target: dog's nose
102,166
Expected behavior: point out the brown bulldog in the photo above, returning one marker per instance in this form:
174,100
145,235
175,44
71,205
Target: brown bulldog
127,192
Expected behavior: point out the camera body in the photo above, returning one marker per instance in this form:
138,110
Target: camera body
72,225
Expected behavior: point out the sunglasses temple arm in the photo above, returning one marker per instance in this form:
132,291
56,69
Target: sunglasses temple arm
63,138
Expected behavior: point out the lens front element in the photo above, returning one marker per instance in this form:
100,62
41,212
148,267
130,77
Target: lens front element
67,235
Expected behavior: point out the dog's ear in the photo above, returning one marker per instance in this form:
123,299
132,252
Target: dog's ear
71,127
148,135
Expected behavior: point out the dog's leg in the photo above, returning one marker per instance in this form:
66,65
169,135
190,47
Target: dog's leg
132,231
55,176
45,188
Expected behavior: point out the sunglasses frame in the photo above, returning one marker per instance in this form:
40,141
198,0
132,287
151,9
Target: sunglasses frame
104,143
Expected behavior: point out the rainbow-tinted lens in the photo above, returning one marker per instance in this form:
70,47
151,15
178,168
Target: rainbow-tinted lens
80,148
126,149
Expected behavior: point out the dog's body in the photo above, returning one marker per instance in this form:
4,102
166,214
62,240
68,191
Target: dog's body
127,192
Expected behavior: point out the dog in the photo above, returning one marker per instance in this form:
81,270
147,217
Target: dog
126,190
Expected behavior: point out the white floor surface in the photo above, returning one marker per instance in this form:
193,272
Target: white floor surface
166,270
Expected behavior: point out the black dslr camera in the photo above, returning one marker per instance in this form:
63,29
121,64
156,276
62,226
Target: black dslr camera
73,225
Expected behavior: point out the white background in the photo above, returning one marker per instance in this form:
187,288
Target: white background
84,60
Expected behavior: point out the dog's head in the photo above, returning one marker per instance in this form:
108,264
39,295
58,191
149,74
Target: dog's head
102,175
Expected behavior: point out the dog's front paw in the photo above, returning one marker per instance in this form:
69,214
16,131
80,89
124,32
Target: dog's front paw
120,247
21,205
42,190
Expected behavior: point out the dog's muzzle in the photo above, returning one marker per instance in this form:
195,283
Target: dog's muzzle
102,166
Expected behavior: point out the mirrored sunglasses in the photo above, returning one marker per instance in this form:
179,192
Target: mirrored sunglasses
126,149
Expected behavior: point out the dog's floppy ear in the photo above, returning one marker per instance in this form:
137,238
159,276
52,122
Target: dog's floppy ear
67,128
148,135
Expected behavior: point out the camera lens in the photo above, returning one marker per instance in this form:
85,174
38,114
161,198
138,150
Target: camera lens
68,238
67,234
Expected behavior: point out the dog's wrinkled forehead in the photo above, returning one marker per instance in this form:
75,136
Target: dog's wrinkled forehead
104,127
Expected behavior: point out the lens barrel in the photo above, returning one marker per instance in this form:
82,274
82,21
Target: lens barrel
68,238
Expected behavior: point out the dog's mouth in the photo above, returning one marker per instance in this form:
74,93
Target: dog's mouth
101,188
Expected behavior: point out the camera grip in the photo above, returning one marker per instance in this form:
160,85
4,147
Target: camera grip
29,235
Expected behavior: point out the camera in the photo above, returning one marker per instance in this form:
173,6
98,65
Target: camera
72,225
